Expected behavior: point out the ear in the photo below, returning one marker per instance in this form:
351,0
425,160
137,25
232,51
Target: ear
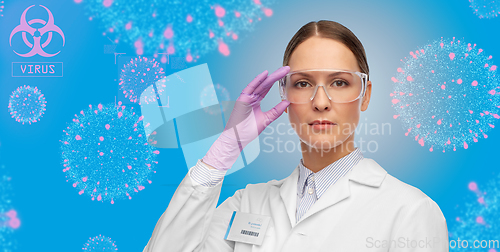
286,109
366,98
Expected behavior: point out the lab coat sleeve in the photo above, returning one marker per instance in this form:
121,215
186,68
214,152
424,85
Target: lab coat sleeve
192,222
205,176
421,227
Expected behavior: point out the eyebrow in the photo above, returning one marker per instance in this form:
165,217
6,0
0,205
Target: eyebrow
330,75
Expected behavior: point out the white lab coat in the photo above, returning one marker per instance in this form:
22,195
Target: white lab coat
363,211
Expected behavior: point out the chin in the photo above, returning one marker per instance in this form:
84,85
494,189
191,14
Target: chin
322,143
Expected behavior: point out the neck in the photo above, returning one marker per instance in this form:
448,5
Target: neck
317,159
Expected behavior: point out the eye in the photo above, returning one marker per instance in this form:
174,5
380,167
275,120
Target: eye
301,84
340,83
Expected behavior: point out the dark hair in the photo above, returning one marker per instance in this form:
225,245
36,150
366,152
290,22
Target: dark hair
332,30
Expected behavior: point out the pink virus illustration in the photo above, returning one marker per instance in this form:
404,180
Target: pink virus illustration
105,153
187,29
446,94
100,243
479,216
2,7
9,220
137,75
27,104
485,8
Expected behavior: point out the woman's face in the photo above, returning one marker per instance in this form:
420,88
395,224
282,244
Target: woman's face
325,53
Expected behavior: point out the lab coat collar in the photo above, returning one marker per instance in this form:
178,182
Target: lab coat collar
366,172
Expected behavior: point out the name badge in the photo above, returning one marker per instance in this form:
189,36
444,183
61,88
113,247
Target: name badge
247,228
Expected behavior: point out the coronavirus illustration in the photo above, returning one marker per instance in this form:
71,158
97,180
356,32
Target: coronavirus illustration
27,104
447,94
211,94
479,216
9,220
105,153
137,75
182,28
485,8
100,243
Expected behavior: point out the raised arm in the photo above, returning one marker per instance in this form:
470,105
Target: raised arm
192,222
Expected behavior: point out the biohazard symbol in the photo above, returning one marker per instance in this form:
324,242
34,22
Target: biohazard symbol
37,33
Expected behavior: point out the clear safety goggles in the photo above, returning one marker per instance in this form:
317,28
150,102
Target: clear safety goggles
340,86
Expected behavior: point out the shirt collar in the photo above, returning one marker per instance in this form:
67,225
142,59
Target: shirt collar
327,176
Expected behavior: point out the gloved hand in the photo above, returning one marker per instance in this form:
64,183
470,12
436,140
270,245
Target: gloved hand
246,121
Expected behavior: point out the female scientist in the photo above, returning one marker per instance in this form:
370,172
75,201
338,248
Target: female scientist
334,200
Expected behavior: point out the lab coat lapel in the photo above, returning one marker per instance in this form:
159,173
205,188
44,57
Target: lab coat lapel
366,172
334,194
288,193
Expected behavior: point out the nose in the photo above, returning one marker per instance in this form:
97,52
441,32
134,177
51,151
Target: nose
321,101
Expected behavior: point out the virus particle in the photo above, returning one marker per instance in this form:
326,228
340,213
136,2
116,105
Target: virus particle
105,153
100,243
447,94
27,104
9,220
209,95
485,8
137,75
184,28
2,6
479,217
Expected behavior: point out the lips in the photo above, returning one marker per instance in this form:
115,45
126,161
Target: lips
322,122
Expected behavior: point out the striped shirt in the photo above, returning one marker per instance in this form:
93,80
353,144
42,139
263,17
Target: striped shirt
310,185
202,175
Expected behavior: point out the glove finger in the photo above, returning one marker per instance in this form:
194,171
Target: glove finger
270,80
250,88
263,94
276,112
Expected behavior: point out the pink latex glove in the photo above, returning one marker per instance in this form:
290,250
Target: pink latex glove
246,121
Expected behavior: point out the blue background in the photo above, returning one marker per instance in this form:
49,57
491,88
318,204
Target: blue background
55,218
